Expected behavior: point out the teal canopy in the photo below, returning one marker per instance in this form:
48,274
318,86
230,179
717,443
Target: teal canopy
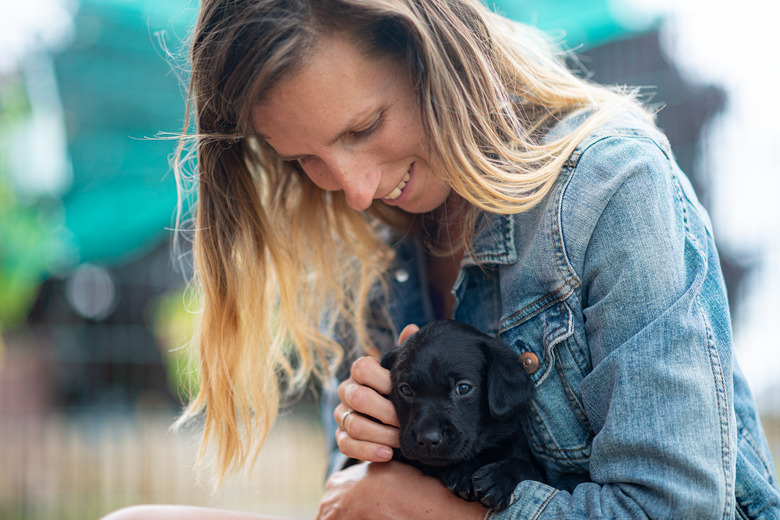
580,24
120,90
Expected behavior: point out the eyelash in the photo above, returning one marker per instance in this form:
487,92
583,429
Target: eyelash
363,134
358,135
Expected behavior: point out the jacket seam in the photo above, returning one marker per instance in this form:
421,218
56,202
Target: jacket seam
554,301
722,403
556,224
569,170
544,504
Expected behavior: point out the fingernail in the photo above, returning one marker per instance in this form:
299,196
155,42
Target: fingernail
384,453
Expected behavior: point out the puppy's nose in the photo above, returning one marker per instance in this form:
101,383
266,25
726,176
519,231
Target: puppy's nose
429,439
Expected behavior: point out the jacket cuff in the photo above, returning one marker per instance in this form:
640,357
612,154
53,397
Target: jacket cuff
530,499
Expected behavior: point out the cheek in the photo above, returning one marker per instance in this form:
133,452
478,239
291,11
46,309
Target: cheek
401,407
469,414
400,140
319,174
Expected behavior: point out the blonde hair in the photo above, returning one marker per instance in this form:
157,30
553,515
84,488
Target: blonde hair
278,261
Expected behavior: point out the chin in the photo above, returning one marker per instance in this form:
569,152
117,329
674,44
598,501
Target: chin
430,202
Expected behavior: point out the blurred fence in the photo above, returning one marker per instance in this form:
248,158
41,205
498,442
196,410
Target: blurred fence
83,466
86,403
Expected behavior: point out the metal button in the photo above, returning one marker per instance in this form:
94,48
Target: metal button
529,361
401,275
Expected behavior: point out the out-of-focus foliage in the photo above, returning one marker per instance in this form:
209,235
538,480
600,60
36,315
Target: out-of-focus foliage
29,245
174,321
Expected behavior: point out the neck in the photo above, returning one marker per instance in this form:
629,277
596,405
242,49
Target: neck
444,227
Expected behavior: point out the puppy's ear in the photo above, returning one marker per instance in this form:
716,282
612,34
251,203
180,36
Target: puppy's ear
388,360
509,387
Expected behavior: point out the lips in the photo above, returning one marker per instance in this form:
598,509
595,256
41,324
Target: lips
398,189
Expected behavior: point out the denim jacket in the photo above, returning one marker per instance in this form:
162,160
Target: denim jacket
611,295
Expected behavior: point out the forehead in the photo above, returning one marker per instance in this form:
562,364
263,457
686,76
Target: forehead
441,361
336,83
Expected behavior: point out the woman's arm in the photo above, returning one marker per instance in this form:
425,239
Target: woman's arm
392,491
658,397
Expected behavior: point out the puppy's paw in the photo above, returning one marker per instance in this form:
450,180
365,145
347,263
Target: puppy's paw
459,482
493,486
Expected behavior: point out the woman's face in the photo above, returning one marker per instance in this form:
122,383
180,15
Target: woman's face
354,125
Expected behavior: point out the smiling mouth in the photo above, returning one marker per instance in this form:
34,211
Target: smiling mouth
398,189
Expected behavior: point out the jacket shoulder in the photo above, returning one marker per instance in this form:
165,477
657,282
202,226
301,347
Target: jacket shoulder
626,165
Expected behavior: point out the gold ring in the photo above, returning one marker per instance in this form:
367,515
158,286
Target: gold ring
344,418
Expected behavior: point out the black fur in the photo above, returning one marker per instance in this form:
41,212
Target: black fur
459,395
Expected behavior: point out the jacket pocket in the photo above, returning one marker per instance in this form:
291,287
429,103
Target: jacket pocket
557,426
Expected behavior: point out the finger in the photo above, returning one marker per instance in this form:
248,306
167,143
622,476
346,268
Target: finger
362,450
367,401
362,428
408,331
367,371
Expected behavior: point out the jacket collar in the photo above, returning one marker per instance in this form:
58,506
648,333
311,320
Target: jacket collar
493,242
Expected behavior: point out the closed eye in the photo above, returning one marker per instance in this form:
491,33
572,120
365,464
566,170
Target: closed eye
304,159
300,159
367,132
354,136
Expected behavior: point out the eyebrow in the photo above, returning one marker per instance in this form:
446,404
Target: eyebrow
349,127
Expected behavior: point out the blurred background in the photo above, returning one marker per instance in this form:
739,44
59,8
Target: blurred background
94,319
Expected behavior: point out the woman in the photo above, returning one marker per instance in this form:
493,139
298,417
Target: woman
368,164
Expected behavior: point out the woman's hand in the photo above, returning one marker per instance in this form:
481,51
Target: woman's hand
391,491
367,423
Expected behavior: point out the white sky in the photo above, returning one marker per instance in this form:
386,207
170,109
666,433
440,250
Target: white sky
29,24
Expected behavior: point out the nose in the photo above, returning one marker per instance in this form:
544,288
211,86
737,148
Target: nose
359,184
358,177
429,439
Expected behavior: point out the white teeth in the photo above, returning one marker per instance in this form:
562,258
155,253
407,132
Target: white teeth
398,189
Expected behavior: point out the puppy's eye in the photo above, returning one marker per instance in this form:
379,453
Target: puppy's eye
462,388
406,390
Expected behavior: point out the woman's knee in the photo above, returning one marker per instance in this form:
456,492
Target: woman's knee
157,512
144,512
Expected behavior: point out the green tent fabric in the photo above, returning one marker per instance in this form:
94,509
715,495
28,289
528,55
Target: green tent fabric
118,89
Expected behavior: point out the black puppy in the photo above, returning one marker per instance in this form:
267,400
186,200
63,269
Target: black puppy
459,395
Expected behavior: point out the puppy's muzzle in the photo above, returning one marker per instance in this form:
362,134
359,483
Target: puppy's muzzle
428,440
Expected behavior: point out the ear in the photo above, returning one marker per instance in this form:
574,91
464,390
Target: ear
388,360
509,387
